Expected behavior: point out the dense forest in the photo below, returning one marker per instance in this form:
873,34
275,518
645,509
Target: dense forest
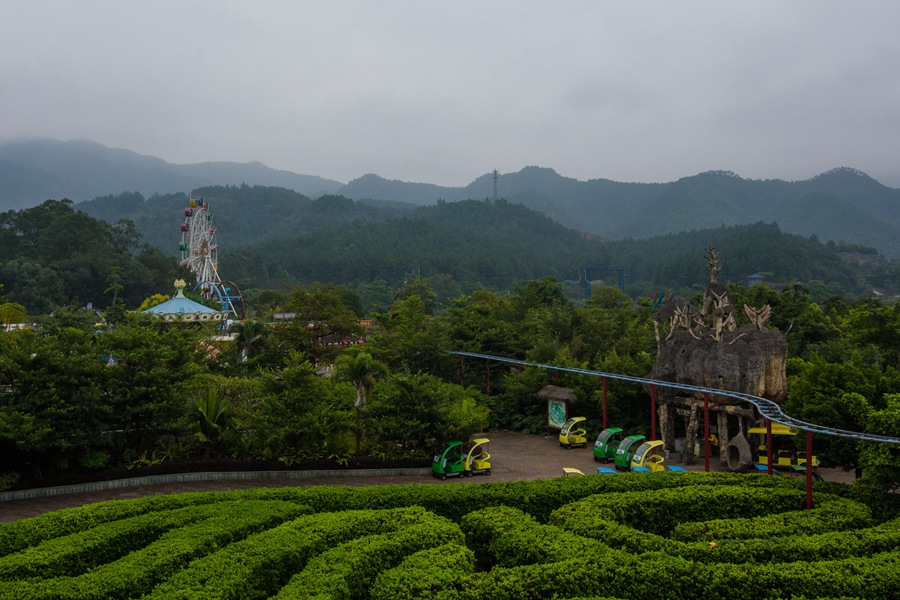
272,239
53,255
80,395
94,389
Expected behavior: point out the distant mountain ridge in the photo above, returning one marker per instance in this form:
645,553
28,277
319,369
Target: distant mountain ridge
841,205
32,171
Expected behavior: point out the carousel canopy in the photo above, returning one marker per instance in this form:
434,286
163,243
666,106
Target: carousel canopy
181,309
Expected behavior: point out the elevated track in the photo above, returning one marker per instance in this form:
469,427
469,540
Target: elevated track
767,408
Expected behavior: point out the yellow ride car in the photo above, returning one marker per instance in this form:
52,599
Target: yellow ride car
573,434
649,455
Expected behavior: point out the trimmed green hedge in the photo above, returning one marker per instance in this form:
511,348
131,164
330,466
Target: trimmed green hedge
138,572
437,573
769,547
629,536
664,577
72,555
260,565
830,514
537,498
348,570
504,536
22,534
663,510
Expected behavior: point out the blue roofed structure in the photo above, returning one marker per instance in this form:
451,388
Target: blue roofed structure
179,309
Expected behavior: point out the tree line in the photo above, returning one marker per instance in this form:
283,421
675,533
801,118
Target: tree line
273,239
98,388
82,394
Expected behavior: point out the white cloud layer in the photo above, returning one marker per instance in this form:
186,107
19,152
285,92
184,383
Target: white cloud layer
445,92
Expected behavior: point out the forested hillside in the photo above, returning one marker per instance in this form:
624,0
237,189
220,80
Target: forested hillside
494,244
52,255
243,214
841,205
274,239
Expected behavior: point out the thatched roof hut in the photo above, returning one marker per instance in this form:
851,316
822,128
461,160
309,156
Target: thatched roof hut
558,400
555,392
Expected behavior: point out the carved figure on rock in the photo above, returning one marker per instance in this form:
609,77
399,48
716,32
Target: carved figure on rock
719,308
712,264
679,314
758,316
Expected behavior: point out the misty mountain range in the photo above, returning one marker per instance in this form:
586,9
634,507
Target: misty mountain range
841,205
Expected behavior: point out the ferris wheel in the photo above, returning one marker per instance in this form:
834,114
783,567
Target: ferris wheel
199,249
200,254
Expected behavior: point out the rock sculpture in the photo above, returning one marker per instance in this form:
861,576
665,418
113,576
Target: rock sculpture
705,347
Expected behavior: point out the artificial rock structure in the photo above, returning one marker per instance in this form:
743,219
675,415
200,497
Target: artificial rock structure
704,347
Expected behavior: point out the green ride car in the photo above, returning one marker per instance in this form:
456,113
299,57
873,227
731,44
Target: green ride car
626,450
606,444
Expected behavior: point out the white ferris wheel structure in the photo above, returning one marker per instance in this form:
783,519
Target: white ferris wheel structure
199,248
200,254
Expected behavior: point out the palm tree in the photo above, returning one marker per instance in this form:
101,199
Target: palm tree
251,339
360,369
211,422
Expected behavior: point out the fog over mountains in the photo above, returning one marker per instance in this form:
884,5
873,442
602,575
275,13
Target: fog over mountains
841,205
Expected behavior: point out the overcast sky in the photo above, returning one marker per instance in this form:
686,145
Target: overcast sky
443,92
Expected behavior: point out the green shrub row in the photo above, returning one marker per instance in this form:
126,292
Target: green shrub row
71,555
659,575
504,536
138,572
661,511
654,574
769,547
260,565
22,534
436,573
662,577
539,499
876,576
830,514
591,520
350,569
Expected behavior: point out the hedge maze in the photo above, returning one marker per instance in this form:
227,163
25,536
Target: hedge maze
658,536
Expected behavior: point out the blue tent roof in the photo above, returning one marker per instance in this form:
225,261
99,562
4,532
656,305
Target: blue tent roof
180,308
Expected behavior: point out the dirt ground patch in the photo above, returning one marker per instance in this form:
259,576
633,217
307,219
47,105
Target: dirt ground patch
514,457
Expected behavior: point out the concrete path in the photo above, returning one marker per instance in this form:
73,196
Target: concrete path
514,457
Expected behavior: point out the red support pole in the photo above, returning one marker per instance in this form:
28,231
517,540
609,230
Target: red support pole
706,430
769,453
652,412
604,403
809,470
519,393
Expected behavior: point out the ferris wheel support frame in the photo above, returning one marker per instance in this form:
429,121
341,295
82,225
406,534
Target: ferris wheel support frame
226,299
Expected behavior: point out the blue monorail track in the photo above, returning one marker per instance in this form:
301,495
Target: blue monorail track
767,408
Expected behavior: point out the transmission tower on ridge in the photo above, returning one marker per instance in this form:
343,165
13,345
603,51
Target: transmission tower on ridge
495,184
